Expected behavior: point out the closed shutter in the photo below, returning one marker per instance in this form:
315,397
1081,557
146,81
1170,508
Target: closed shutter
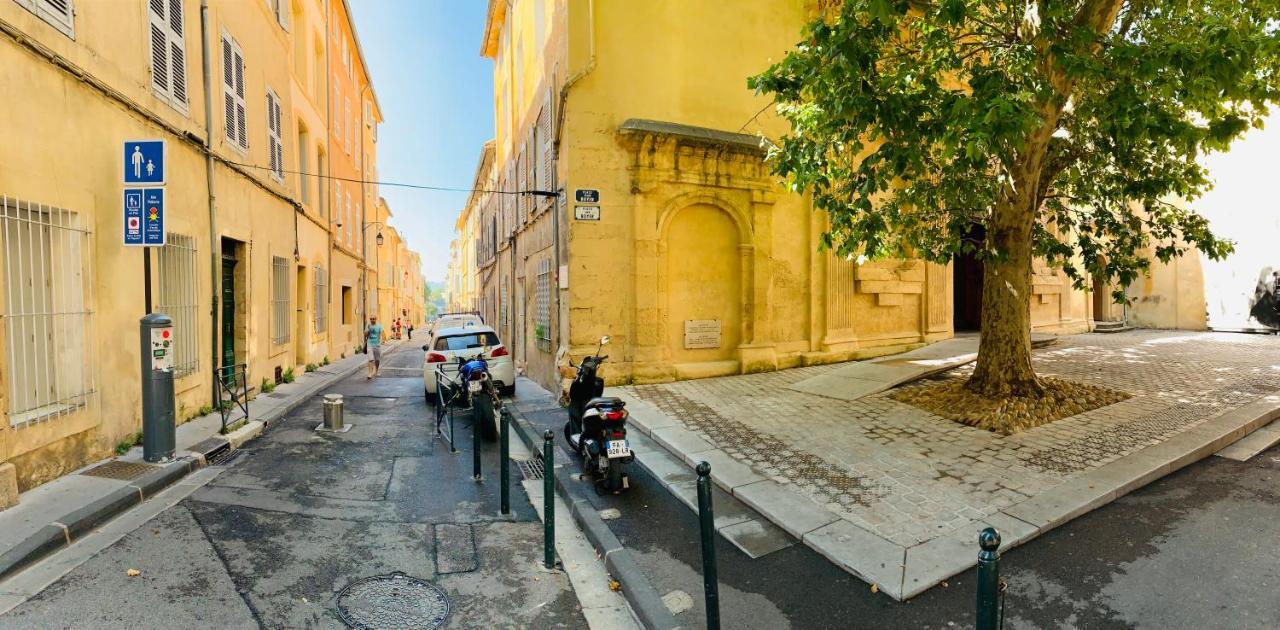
546,123
168,52
520,188
282,13
58,13
275,144
233,92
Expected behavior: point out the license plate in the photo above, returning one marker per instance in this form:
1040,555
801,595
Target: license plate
618,448
474,386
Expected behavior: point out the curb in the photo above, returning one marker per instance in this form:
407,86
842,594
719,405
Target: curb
644,599
80,521
64,531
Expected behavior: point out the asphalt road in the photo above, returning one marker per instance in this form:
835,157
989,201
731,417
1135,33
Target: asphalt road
1197,549
301,515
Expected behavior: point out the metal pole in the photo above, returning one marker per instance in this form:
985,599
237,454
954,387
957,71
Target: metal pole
146,278
475,439
549,500
504,456
706,519
988,580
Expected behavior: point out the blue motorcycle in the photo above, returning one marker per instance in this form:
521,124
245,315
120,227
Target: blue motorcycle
477,391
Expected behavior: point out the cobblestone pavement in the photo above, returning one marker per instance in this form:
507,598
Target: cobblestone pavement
910,476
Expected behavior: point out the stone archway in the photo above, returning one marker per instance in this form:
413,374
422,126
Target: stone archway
702,268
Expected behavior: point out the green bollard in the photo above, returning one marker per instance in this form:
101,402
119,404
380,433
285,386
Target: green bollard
475,441
988,580
706,519
505,456
549,500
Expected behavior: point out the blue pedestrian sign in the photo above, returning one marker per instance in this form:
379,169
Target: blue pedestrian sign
144,217
144,162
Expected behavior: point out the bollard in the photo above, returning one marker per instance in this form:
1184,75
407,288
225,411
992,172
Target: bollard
333,412
988,580
706,519
504,455
549,500
158,423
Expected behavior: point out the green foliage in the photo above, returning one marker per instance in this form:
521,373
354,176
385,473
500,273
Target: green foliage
911,121
204,410
324,361
311,367
268,386
124,445
287,376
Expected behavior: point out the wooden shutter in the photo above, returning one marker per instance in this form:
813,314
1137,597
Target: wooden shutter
275,142
58,13
282,13
177,54
241,130
547,125
520,188
229,89
160,47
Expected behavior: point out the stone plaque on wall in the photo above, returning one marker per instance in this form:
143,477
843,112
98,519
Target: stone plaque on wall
701,333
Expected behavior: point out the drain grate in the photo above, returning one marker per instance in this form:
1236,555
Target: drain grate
124,471
532,468
392,601
224,457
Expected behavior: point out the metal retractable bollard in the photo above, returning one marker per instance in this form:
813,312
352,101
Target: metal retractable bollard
333,412
504,456
706,521
158,423
549,500
988,614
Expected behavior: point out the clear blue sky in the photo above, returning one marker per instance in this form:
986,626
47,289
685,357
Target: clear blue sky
436,93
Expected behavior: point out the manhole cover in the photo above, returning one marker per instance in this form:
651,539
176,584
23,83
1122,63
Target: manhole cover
392,601
116,469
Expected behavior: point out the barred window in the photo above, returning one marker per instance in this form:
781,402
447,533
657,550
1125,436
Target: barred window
47,316
279,300
178,299
321,302
543,322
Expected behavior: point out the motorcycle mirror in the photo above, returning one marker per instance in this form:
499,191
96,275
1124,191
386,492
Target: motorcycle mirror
604,341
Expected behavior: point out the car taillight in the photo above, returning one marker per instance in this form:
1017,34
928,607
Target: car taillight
435,357
614,415
499,352
618,435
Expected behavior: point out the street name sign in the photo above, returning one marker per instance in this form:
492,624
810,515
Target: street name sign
586,213
144,162
586,195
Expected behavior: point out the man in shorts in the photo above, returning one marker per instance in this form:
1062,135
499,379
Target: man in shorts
373,340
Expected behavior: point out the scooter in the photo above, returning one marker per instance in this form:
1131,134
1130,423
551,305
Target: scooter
597,426
479,393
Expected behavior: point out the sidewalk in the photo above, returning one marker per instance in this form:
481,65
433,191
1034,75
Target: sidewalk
896,495
54,515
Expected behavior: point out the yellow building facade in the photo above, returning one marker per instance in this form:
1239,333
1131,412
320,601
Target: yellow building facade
669,233
247,272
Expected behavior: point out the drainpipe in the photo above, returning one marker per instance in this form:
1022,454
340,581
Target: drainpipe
215,278
328,166
364,244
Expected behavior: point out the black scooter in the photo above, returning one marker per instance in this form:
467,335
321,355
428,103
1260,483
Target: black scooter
597,426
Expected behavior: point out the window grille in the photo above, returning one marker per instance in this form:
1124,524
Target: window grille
543,323
321,302
47,314
279,300
178,299
168,52
58,13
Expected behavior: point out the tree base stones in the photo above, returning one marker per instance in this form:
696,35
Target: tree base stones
950,399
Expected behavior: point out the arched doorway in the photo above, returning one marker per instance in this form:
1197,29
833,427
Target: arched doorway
704,281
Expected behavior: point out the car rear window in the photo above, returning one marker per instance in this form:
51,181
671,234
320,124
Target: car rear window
467,342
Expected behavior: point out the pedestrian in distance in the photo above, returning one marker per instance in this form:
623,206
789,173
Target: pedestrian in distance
373,341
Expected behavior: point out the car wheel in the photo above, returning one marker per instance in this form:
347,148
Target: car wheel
431,398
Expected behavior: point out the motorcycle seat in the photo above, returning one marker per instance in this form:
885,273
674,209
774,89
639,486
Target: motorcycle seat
605,401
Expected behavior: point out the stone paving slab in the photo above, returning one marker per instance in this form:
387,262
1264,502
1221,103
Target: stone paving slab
1245,448
924,485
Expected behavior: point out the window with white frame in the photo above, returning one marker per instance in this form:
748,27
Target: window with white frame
233,93
279,300
58,13
542,325
168,52
321,301
351,219
47,315
275,145
178,299
281,10
346,137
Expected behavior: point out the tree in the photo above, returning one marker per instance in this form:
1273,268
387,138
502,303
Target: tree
1069,130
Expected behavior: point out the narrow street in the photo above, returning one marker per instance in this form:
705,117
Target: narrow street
1179,553
281,529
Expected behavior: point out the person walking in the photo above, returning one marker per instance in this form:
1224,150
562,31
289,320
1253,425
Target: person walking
373,341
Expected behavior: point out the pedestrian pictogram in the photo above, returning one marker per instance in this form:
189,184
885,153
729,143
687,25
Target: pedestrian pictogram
144,162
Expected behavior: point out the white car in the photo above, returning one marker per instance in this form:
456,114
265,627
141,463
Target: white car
455,320
471,340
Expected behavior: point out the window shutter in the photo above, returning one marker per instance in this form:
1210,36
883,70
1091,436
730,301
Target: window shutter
159,47
229,89
279,139
274,145
282,13
241,132
548,148
59,13
178,53
520,188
